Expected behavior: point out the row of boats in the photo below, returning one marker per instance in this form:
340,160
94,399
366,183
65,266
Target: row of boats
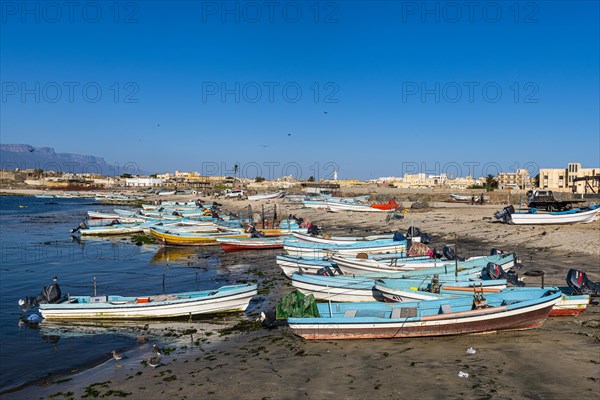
353,287
355,204
192,224
365,292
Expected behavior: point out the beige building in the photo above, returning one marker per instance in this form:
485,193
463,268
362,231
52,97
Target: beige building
560,179
465,183
514,180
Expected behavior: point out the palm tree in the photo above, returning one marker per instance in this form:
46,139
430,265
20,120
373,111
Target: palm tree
490,182
236,167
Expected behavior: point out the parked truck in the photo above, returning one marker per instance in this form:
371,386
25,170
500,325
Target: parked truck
546,200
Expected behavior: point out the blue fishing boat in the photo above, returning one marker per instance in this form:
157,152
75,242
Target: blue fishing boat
510,310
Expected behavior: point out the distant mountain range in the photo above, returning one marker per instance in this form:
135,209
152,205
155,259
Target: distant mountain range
24,156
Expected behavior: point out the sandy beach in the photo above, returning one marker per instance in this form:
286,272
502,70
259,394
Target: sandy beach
247,361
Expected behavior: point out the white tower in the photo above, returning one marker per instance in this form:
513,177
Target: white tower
335,175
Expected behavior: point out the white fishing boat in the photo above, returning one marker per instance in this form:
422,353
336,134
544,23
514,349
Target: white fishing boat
319,250
339,207
580,215
290,264
327,239
224,299
350,288
116,229
266,196
355,265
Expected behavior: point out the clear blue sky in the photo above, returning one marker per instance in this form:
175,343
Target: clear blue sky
380,84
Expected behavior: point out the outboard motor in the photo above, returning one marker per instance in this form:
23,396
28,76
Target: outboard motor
425,238
505,213
495,252
329,271
50,294
435,284
82,225
398,237
313,230
495,271
449,253
581,284
256,233
413,232
325,271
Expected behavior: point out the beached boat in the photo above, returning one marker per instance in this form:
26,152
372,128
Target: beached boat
349,264
390,205
340,207
327,239
192,238
355,288
319,250
45,196
224,299
578,215
322,202
115,229
266,196
465,198
570,304
284,228
317,204
511,310
166,192
102,215
231,245
307,265
291,264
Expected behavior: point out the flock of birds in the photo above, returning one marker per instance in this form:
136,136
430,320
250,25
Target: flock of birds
154,361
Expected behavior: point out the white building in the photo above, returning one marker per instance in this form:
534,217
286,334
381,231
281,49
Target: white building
145,182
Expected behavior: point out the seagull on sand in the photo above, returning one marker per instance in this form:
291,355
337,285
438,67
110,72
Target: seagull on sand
117,356
154,361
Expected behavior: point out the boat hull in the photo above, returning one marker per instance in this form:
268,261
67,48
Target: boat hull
191,240
235,301
337,207
583,217
521,319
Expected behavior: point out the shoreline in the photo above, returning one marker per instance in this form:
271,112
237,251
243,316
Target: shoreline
236,363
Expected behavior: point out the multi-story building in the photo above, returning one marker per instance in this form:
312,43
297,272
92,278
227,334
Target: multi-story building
515,180
565,179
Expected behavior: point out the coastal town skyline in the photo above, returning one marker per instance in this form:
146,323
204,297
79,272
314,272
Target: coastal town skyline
270,170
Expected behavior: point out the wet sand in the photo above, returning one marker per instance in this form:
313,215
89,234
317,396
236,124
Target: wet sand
559,360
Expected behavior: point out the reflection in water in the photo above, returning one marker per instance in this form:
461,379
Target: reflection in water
199,257
171,331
